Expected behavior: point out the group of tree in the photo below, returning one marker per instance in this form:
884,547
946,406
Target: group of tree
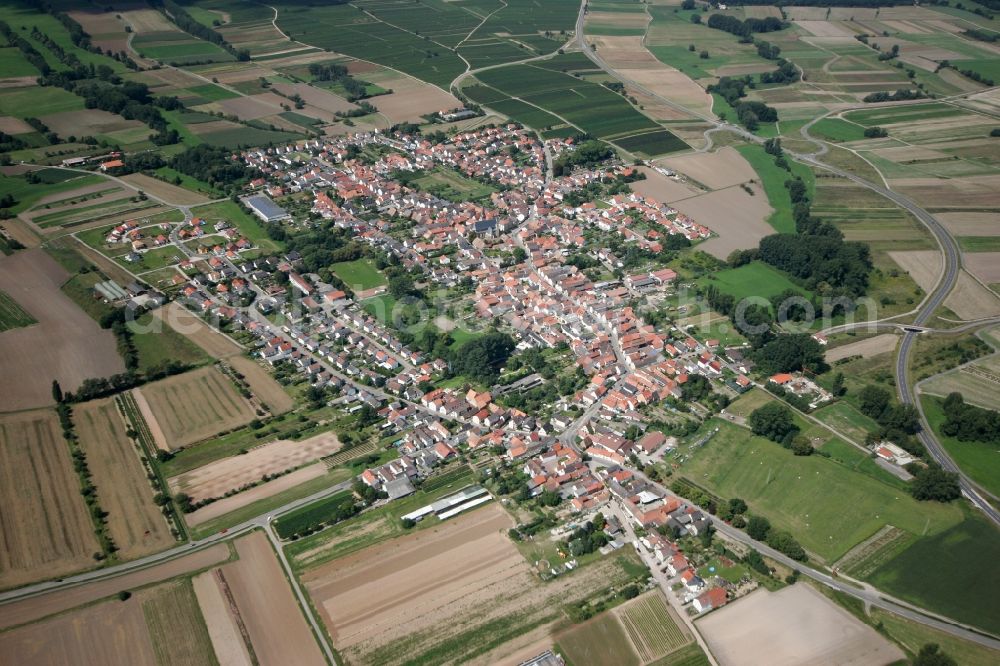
824,263
587,538
338,73
786,73
744,29
900,95
775,422
759,529
481,358
968,423
749,114
790,352
898,423
588,153
931,483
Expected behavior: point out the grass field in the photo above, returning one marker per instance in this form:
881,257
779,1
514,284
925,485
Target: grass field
600,641
979,243
773,179
980,460
359,274
836,129
844,418
27,194
196,405
12,315
828,507
452,185
912,636
755,279
157,343
971,549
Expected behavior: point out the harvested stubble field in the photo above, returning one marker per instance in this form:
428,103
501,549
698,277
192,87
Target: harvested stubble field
45,528
878,344
66,344
971,300
737,217
443,594
263,385
797,625
195,329
193,406
215,479
265,607
158,625
162,190
136,524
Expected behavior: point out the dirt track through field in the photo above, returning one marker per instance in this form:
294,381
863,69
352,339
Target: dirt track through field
136,524
66,344
34,608
278,630
45,528
216,478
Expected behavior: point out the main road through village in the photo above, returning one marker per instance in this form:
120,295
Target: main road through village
869,595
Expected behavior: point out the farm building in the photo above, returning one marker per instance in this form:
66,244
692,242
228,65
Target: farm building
265,209
452,505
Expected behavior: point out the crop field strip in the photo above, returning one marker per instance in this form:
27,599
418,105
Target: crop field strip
13,315
46,529
651,626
